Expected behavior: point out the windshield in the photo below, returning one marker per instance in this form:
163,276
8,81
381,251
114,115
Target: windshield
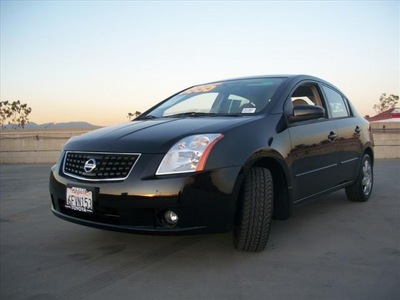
237,97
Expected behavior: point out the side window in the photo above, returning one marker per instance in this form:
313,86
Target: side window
337,105
306,94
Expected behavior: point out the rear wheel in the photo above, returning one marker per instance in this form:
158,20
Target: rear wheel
255,216
361,189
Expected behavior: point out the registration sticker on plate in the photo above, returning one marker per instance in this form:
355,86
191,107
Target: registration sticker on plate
80,199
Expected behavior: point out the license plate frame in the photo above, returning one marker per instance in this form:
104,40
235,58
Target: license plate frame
79,198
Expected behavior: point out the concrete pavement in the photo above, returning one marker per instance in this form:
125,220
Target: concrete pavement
330,249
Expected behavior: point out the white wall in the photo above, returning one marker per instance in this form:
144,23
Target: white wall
44,146
35,146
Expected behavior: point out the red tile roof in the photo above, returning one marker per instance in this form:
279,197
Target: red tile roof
386,115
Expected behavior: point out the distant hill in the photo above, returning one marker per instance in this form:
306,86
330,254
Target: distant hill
67,125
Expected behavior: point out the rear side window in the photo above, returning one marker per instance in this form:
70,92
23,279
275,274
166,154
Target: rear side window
337,105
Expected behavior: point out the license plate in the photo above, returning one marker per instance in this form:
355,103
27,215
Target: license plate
79,199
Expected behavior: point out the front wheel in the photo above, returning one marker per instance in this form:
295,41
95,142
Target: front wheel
361,189
255,215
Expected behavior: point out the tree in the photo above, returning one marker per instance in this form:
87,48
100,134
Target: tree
131,115
386,103
14,113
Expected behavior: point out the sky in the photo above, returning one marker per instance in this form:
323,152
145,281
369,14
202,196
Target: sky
97,61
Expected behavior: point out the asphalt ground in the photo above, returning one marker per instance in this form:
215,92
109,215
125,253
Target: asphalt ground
330,249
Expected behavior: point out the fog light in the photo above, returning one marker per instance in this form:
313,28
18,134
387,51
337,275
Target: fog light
171,218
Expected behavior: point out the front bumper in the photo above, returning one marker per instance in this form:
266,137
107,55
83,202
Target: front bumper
205,202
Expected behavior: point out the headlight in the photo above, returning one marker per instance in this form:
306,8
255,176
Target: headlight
189,154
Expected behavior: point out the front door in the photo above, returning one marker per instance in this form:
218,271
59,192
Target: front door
314,158
314,149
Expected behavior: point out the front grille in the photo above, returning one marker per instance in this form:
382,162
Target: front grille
99,166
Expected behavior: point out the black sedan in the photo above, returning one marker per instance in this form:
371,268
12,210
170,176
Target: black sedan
223,156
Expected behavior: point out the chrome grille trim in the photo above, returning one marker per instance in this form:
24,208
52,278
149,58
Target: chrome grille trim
111,166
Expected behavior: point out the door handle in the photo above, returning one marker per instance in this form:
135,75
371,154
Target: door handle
332,136
357,130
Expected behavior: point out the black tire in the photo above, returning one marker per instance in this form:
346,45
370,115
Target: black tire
361,189
255,215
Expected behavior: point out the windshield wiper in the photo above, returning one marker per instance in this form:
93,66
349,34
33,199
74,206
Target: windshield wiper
192,114
146,117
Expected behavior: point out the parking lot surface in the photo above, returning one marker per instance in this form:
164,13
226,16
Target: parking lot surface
330,249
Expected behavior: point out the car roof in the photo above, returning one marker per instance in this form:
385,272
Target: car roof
288,76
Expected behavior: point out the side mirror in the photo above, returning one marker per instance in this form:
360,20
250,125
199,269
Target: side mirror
307,112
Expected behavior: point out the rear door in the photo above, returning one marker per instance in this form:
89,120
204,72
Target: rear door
348,126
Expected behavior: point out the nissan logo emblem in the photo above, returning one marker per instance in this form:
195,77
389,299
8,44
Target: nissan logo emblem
90,165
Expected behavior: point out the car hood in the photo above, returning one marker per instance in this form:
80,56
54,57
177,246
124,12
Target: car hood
151,136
